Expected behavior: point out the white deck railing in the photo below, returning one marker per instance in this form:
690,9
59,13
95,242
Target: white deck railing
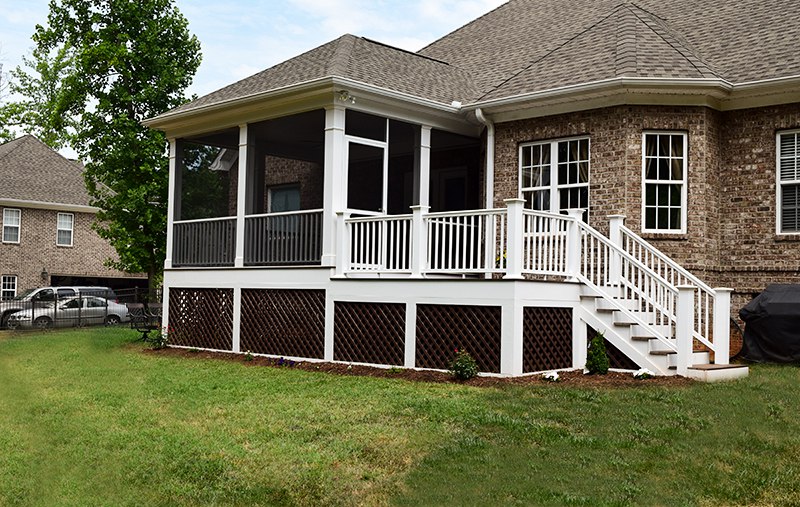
380,244
466,242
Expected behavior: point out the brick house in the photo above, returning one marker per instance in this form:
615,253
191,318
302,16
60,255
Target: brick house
47,236
545,171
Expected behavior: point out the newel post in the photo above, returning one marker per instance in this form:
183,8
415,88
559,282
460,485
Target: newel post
419,241
615,223
574,243
514,239
684,322
722,328
342,244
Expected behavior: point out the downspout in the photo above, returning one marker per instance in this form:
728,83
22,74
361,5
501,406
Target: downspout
489,157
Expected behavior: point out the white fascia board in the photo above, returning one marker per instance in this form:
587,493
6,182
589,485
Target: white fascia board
22,203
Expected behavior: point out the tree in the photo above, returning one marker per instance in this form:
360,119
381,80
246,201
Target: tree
130,61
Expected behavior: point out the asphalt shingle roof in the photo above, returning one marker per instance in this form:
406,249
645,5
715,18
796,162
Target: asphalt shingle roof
526,46
31,171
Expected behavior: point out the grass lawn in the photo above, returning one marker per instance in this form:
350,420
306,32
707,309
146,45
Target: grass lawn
86,418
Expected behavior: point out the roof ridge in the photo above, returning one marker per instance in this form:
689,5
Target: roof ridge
341,57
626,56
412,53
555,49
503,5
674,39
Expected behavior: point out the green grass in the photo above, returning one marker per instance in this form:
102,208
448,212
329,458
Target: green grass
87,419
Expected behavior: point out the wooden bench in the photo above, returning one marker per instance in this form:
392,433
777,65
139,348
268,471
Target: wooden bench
145,318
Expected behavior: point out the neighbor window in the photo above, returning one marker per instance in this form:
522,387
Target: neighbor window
789,182
11,221
284,198
664,168
554,175
8,287
64,233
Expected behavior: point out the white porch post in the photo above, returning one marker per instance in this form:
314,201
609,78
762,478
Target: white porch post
580,340
419,241
683,327
342,257
245,170
330,307
237,318
410,359
334,183
514,239
615,223
511,342
422,168
574,244
722,328
173,197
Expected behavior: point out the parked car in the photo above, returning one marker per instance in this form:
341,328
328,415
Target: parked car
44,297
70,312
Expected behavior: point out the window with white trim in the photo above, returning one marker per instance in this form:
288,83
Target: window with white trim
64,226
788,182
664,171
554,175
11,224
8,287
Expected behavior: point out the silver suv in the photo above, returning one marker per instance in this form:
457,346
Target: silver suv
45,297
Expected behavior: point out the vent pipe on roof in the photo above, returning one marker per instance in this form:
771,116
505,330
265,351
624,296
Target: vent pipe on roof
489,157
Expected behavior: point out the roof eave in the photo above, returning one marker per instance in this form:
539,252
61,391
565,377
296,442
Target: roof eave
26,203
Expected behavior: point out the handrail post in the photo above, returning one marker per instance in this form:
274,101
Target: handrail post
684,322
342,245
722,328
615,223
419,240
514,239
574,244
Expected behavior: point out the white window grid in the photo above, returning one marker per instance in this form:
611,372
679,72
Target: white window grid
554,175
8,287
65,223
787,220
664,177
12,220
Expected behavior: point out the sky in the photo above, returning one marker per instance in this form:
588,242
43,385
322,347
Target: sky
238,42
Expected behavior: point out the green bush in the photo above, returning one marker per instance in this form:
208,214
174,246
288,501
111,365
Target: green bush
596,357
463,366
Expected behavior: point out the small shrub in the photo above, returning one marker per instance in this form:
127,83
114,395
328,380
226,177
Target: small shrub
596,357
394,370
463,366
159,341
643,374
248,356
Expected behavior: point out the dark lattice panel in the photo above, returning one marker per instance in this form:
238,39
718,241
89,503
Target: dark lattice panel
369,332
443,328
546,338
616,358
201,318
283,322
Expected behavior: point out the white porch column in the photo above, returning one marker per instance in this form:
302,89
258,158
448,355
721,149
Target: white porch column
683,327
722,327
514,239
410,359
173,197
342,256
329,325
574,244
580,340
334,183
244,172
422,168
237,318
419,241
615,223
511,338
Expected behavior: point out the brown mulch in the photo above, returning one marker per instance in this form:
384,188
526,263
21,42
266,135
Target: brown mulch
569,378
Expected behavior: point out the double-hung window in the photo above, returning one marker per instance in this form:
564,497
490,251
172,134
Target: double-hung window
664,168
11,223
788,220
554,175
64,226
8,286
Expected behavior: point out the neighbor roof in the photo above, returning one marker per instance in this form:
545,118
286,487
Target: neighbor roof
527,46
32,171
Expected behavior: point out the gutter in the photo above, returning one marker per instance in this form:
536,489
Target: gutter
489,157
23,203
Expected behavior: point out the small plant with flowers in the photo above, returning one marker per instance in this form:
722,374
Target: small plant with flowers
463,366
248,356
643,374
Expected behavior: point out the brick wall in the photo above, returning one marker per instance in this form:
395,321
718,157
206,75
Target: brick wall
37,250
308,175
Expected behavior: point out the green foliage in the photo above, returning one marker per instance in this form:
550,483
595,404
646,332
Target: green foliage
158,341
129,61
463,366
597,357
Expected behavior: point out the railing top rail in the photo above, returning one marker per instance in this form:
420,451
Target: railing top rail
286,213
545,214
381,218
203,220
466,213
674,265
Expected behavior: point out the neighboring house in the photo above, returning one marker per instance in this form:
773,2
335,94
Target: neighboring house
47,236
385,207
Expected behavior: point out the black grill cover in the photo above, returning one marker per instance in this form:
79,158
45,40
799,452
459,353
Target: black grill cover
772,325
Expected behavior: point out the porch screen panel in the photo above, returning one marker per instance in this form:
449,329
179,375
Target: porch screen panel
365,178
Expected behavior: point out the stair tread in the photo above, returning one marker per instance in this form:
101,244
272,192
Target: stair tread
717,366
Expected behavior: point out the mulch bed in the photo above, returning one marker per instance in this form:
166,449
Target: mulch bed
569,378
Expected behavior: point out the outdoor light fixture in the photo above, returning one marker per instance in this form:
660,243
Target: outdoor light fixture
45,274
345,96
